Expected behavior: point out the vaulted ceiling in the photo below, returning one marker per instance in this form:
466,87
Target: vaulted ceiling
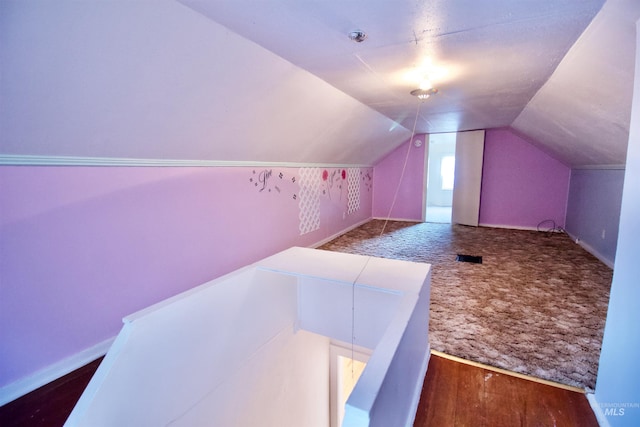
281,80
559,73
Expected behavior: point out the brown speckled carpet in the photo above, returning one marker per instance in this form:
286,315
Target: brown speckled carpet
536,305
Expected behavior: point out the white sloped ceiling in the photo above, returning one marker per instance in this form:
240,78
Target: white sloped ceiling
582,114
280,80
507,63
156,80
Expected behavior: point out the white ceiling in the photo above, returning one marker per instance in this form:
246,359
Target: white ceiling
497,63
124,81
582,113
280,80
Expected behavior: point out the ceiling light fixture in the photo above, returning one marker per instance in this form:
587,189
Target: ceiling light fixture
424,94
357,36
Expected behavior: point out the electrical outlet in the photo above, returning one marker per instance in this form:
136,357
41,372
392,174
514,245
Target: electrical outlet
603,233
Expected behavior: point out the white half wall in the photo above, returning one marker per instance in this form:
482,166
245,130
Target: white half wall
235,352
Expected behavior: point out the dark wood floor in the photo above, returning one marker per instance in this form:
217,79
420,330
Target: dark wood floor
454,394
50,405
459,394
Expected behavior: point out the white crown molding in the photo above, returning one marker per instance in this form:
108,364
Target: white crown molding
28,160
600,167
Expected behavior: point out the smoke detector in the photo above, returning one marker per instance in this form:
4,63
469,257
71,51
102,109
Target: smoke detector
358,36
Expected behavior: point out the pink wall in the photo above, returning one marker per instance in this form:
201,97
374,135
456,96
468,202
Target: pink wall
410,198
81,247
521,185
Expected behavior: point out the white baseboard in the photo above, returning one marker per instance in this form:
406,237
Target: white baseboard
587,247
51,373
597,410
512,227
339,233
398,219
596,254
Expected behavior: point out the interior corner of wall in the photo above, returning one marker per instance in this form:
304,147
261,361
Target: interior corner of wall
597,410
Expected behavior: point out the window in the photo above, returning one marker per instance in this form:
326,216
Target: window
447,172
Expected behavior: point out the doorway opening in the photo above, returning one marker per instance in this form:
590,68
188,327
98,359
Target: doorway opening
346,366
440,177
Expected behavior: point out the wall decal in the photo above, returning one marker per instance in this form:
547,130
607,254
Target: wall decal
333,183
293,180
310,199
341,187
367,179
263,178
260,179
353,190
266,181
